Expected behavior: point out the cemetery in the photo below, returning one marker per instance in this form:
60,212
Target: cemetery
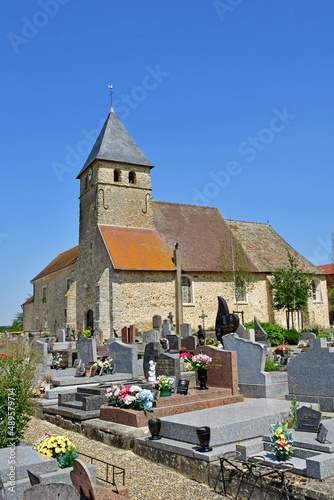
200,400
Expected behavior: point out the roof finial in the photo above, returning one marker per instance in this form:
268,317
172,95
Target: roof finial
111,87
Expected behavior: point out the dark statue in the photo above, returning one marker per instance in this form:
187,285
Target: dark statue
201,335
225,322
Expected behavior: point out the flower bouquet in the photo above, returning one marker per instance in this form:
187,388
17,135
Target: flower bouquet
197,362
108,365
281,440
59,447
162,382
130,397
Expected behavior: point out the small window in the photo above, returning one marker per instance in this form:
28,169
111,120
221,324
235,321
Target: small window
65,315
187,296
132,177
240,291
45,322
117,175
69,282
316,291
44,294
37,323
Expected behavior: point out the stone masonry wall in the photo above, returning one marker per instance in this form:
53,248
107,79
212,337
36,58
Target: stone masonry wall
53,308
28,317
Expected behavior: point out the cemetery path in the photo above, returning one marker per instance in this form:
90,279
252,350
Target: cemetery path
144,479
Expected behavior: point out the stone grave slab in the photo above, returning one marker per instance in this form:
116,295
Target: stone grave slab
185,330
152,351
174,342
168,365
190,343
260,334
87,350
61,335
125,356
51,491
223,371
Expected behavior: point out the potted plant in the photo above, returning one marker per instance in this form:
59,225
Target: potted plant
59,447
199,363
88,332
56,361
163,384
109,367
281,441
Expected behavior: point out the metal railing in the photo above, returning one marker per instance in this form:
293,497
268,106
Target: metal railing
109,469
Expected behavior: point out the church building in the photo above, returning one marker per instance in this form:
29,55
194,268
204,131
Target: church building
124,269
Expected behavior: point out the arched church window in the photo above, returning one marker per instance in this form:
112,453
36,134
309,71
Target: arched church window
117,175
132,177
187,293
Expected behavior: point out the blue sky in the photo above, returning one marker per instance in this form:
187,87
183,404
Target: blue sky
231,100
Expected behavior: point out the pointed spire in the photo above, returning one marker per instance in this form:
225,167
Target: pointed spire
111,87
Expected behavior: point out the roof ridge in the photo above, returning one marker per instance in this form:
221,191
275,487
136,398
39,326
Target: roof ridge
184,204
248,222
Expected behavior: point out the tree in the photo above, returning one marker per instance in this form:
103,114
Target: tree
17,325
291,289
236,269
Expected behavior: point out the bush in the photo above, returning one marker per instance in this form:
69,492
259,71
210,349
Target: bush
291,337
270,366
18,362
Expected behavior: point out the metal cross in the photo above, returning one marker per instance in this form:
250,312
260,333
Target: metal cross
202,318
110,87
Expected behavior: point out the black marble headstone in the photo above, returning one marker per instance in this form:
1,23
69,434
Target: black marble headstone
166,364
308,420
260,334
174,342
225,322
152,351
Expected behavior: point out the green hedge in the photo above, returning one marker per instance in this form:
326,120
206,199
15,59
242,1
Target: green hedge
278,335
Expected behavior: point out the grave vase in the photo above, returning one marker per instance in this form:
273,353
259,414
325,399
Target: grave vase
202,376
165,392
281,457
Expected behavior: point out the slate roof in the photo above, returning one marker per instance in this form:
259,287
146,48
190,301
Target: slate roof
199,231
62,260
115,144
137,249
265,247
327,268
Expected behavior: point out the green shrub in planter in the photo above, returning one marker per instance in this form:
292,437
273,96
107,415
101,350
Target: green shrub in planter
270,366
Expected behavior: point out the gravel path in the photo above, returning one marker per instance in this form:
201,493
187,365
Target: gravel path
146,480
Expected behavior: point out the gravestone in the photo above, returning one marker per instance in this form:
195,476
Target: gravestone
253,381
50,491
223,371
87,350
125,357
308,420
174,342
306,336
152,351
46,358
245,334
190,343
185,330
310,374
151,336
260,334
225,322
157,322
132,334
168,365
166,328
125,335
61,336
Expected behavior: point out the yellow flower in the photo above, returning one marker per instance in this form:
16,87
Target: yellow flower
57,450
278,432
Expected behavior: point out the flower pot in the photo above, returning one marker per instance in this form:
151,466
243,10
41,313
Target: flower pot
165,392
202,378
87,372
203,434
282,457
154,425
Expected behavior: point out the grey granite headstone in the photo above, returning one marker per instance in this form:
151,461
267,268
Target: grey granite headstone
152,351
330,337
166,364
87,350
306,336
166,328
156,322
151,336
245,334
308,419
174,342
46,359
61,336
125,357
185,330
260,334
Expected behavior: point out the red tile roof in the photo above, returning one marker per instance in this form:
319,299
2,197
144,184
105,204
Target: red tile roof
62,260
327,268
28,301
199,232
137,249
